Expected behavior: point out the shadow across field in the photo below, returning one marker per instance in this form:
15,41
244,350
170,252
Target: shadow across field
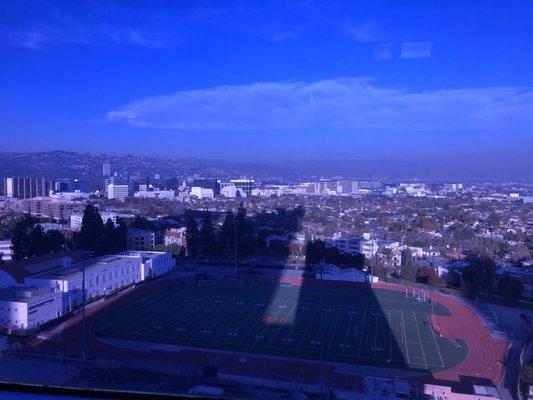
283,311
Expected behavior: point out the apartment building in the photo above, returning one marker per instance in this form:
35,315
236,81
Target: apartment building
140,239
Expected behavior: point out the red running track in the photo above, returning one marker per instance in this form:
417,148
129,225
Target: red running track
486,355
484,360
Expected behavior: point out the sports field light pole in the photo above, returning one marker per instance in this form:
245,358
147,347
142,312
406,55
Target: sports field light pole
320,268
372,260
83,338
432,310
235,244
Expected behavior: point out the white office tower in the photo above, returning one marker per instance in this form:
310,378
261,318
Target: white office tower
119,192
106,169
26,188
453,187
154,194
202,193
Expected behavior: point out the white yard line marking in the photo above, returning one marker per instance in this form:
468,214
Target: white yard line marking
375,337
334,328
265,328
185,311
281,325
361,332
420,339
250,315
294,326
258,321
347,332
405,339
232,320
390,336
435,339
306,328
209,324
142,307
184,314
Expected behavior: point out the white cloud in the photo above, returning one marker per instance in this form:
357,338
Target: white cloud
365,32
351,103
103,35
415,50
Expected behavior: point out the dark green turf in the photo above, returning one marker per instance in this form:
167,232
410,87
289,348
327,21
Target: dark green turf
378,327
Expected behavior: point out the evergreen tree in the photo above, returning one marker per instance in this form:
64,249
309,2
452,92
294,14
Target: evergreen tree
37,245
244,233
29,239
480,274
20,242
409,272
192,235
92,230
407,257
453,279
54,241
140,222
120,236
109,245
226,236
208,236
510,288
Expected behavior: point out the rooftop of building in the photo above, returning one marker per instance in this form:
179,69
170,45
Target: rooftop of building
20,270
98,262
22,294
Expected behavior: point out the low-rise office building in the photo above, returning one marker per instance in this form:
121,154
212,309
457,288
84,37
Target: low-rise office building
116,191
155,194
202,193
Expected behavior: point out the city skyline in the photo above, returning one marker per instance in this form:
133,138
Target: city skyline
272,82
37,164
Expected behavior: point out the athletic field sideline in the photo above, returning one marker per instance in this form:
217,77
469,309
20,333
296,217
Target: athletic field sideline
373,327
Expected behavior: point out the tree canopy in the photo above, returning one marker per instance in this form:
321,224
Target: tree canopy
29,239
99,237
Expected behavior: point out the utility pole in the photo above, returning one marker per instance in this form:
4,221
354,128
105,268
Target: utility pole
433,311
321,266
83,300
372,260
235,243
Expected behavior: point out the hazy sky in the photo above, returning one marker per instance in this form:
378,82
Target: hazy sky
270,80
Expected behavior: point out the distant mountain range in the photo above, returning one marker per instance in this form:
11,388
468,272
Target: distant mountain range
58,164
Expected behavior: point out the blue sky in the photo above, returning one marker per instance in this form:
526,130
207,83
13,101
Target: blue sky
446,80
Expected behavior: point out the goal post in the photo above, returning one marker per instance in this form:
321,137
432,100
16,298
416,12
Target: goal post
418,294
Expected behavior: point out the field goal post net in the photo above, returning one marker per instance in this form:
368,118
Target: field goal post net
420,295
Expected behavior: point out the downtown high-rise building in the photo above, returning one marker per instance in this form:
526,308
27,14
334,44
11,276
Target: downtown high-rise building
246,185
106,169
26,188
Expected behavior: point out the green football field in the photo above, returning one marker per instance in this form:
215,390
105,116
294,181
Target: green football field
372,327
